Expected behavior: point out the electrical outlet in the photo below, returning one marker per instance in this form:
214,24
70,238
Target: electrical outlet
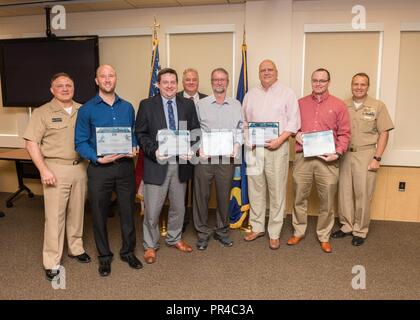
401,186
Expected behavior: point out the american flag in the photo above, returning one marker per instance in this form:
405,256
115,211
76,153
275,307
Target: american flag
153,90
155,67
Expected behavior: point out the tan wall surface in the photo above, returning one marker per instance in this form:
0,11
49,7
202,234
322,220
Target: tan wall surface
408,99
203,52
130,57
343,54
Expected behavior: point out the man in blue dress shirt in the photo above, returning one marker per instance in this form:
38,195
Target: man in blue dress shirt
114,172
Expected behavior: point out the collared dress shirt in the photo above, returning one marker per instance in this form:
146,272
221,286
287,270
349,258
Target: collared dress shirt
97,113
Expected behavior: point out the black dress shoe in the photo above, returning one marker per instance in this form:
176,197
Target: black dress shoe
357,241
82,258
104,268
132,261
224,241
202,244
340,234
50,274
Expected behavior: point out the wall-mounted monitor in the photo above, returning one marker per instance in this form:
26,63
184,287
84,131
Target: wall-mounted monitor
27,65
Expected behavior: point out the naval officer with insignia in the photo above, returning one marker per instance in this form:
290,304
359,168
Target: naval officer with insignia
50,143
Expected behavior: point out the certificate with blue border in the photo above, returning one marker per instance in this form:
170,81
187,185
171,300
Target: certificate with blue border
318,143
173,142
261,132
113,140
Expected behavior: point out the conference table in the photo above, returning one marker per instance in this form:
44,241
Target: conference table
24,169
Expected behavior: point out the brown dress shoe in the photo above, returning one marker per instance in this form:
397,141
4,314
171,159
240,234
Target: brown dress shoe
294,240
150,255
326,247
274,244
183,246
253,235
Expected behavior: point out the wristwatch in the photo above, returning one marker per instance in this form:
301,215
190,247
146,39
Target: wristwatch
377,158
339,155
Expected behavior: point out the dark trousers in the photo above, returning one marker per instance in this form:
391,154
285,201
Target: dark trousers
203,176
102,180
188,195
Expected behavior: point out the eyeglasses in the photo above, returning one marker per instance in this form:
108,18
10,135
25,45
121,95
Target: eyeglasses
219,80
266,70
322,81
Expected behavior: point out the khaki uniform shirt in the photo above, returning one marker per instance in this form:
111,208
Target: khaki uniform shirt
53,128
368,121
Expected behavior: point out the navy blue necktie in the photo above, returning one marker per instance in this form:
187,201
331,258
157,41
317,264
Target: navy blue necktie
171,116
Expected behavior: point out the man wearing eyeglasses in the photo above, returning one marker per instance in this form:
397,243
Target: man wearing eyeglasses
269,102
371,124
319,111
214,113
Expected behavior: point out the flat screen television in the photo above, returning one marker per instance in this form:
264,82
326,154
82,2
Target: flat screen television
27,65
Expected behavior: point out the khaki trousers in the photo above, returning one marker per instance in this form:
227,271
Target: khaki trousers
356,186
325,174
64,211
267,172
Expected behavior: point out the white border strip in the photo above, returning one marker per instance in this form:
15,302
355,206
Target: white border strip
6,36
122,32
302,82
342,27
410,26
168,50
233,82
379,74
33,35
208,28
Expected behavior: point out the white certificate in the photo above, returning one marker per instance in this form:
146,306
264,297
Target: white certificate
113,140
318,143
218,143
261,132
173,142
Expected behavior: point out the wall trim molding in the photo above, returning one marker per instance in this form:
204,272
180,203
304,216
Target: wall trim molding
341,27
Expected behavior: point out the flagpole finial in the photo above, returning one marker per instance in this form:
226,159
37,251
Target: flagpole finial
155,27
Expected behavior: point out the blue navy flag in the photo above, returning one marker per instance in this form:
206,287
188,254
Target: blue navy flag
155,67
239,202
243,77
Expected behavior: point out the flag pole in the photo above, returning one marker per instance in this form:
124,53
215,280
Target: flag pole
245,225
155,43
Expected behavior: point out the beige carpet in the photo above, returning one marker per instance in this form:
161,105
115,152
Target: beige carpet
246,271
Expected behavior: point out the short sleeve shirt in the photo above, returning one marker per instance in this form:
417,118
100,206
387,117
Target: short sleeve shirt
53,128
368,121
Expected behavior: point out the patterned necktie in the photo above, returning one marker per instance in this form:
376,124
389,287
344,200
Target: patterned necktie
171,116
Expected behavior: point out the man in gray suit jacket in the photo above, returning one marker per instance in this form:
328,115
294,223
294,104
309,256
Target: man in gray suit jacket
164,111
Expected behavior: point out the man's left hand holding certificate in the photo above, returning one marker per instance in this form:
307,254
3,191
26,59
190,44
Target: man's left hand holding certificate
113,143
173,143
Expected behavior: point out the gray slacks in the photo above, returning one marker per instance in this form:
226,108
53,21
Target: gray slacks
154,199
203,176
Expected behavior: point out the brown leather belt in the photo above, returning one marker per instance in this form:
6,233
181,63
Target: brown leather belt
362,148
64,161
